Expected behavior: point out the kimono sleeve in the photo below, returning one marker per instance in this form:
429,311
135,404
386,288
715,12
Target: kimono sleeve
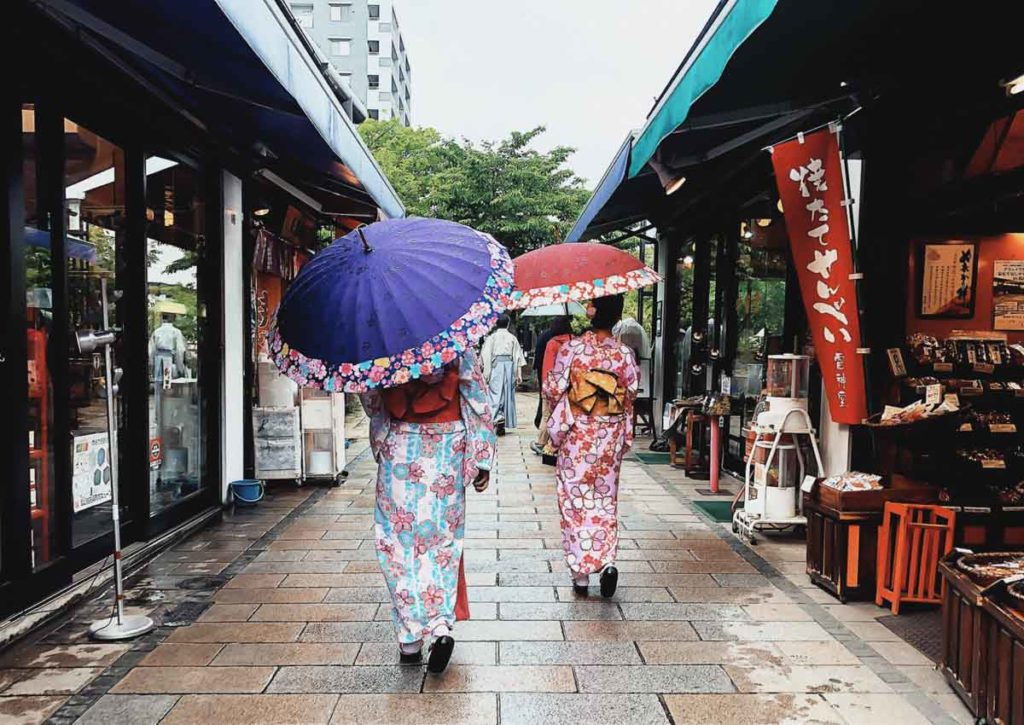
380,421
481,442
556,384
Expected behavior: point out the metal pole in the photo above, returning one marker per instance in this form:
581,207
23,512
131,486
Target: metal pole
119,626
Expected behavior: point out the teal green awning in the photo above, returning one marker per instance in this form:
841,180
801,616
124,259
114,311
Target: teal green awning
697,76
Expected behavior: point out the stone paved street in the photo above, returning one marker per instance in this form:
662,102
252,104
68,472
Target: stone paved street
279,615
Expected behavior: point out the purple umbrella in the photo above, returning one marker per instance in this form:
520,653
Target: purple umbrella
388,303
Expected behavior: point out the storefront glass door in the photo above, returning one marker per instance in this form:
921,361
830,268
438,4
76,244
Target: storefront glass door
176,234
94,221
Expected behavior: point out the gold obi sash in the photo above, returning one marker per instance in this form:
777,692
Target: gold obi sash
597,392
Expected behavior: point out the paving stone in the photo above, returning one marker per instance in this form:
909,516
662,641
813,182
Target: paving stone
511,594
315,613
496,631
729,595
435,709
742,580
652,678
710,653
466,653
565,611
806,678
348,632
128,710
271,596
292,653
228,613
502,678
875,708
357,679
629,631
568,653
762,631
252,710
777,613
75,655
181,655
65,681
357,595
788,709
28,710
237,632
255,581
817,653
531,709
185,680
686,612
334,581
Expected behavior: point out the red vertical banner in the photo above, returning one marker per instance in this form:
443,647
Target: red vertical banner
809,174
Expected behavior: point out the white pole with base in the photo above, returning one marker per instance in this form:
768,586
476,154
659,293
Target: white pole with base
119,625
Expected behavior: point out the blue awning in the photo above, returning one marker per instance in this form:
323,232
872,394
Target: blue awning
239,68
72,247
614,176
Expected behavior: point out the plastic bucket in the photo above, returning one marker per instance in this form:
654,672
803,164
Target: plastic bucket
247,491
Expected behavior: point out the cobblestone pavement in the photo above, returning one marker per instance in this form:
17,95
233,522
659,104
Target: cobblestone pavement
279,615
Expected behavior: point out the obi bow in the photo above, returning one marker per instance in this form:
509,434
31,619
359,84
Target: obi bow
598,392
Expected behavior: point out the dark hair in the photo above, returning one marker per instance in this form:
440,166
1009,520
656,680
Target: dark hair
503,322
607,311
561,325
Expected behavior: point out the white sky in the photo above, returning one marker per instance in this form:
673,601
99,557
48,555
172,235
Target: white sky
589,70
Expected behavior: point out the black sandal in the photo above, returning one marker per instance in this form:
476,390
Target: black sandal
609,581
440,654
581,590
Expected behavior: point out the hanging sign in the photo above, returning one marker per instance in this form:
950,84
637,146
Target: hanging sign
90,477
809,174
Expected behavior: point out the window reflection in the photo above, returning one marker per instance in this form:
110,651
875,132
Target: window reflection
94,214
176,215
39,325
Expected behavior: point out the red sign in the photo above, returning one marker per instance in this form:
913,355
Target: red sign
809,174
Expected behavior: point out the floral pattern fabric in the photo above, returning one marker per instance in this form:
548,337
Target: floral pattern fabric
561,293
434,354
590,450
420,518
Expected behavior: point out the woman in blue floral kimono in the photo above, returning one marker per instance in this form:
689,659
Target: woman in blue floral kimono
432,438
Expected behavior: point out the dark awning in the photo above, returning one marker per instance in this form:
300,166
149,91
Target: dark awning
240,67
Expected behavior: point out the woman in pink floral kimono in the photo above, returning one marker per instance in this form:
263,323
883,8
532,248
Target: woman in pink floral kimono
432,438
594,381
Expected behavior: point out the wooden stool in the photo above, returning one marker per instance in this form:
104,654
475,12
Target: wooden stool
910,543
693,456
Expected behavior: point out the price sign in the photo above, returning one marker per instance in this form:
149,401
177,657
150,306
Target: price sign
933,394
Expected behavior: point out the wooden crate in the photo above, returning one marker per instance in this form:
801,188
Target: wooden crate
842,550
1003,628
964,652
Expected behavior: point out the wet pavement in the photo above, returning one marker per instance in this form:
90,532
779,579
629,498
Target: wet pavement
279,615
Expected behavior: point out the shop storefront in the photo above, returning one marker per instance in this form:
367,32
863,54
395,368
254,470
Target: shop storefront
136,204
856,197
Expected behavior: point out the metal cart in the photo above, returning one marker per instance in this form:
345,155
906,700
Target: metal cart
756,514
323,435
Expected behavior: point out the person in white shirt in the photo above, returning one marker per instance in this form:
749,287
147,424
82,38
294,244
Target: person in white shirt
503,361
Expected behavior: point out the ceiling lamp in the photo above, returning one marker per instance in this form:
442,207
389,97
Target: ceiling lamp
763,223
779,205
688,261
262,211
1014,86
671,180
745,231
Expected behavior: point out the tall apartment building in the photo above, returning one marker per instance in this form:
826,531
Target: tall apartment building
363,42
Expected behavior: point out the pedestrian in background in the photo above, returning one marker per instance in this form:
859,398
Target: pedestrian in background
594,383
503,362
432,437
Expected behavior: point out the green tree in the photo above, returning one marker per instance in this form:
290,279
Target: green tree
523,197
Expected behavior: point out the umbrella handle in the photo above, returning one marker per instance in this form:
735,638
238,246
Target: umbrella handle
366,245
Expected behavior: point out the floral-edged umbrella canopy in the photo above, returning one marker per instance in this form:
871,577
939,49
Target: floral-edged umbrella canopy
568,272
389,303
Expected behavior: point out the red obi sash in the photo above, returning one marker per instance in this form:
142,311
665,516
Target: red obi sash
419,401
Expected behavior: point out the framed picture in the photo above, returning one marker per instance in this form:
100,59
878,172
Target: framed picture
948,279
1008,294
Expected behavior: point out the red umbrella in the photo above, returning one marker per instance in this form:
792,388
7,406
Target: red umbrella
574,272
